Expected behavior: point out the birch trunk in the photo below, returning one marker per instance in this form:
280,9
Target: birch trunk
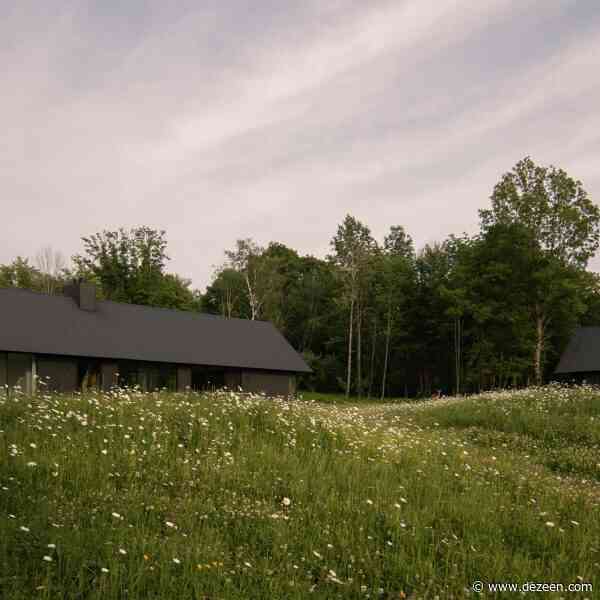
359,348
539,345
349,368
372,366
388,334
457,351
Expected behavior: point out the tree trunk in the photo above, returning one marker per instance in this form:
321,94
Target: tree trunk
372,365
539,345
457,351
251,298
388,334
359,348
349,368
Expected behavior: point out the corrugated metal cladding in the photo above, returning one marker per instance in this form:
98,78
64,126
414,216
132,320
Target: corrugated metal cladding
36,323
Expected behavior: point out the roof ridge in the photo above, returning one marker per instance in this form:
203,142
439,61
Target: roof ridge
28,291
181,311
133,305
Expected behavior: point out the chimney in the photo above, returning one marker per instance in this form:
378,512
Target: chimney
83,293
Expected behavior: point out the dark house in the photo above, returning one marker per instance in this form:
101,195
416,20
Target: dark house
580,362
72,342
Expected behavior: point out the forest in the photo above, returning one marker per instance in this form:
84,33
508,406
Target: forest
380,318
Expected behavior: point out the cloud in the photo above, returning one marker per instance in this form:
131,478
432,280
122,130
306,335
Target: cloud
273,121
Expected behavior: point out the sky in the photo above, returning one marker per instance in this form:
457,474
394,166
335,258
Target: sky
273,120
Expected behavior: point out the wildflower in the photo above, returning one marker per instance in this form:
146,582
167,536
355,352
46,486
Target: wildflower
52,546
116,515
25,529
248,564
317,554
146,557
286,501
576,523
31,463
549,524
122,551
48,558
169,524
176,561
104,570
32,445
369,502
104,451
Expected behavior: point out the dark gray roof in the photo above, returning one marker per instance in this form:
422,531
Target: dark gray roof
32,322
582,353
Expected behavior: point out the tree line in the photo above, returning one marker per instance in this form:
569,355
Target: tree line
377,318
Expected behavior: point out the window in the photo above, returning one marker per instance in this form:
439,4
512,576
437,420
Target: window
207,378
18,371
148,376
88,374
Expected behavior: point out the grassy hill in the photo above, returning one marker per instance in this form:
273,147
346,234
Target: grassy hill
227,496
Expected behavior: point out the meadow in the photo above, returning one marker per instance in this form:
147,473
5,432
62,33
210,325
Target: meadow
228,496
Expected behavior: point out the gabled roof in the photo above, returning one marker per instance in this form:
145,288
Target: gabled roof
582,353
38,323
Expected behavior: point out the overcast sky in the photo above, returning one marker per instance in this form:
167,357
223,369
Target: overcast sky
272,120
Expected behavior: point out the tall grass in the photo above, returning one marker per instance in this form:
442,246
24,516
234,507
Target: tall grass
228,496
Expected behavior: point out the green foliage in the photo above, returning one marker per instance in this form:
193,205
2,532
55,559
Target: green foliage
376,318
226,295
21,274
228,496
129,266
552,205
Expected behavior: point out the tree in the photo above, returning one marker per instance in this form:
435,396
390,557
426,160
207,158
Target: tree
128,265
431,332
455,291
51,265
552,205
21,274
352,246
174,291
395,270
226,295
245,259
563,223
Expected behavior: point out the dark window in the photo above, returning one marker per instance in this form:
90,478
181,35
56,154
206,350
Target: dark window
148,376
3,374
88,374
207,378
56,373
18,371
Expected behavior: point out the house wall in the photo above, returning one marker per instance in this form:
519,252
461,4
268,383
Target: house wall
233,379
3,374
272,384
57,374
63,374
108,375
184,378
590,377
16,371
